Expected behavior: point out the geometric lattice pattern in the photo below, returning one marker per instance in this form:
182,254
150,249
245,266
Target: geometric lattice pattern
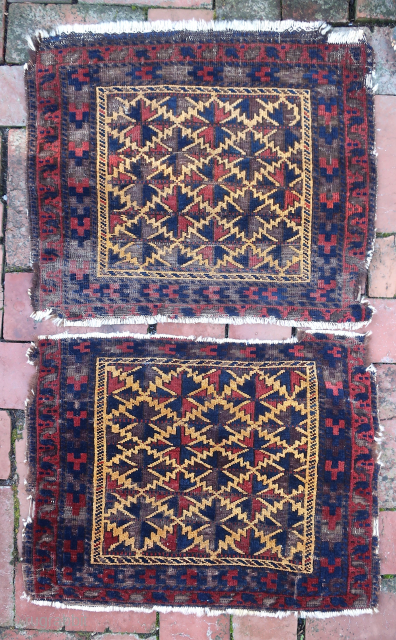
203,182
199,464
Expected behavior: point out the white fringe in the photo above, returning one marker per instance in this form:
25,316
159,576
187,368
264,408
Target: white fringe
337,35
333,614
349,334
50,314
346,35
136,26
151,336
200,611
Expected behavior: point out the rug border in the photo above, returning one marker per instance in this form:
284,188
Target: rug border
27,530
324,32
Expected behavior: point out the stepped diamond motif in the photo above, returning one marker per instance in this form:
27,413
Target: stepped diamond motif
204,182
212,464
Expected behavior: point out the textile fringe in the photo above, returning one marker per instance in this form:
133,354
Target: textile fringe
136,26
199,611
153,336
50,314
338,35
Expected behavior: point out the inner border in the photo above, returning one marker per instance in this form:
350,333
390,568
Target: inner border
101,169
99,476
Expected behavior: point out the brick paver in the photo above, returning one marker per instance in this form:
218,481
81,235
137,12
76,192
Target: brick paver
386,382
382,342
6,548
385,60
258,628
375,9
17,232
259,332
248,9
12,97
192,329
387,478
180,14
377,626
26,19
177,626
15,375
25,502
124,636
330,10
26,616
18,325
387,547
382,272
12,634
203,4
5,444
1,219
385,126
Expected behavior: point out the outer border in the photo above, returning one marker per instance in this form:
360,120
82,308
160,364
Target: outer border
287,30
359,406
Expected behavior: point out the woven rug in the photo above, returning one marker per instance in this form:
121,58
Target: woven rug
214,174
174,473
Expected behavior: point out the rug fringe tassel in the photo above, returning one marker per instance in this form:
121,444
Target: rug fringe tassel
50,314
200,611
151,336
137,26
337,35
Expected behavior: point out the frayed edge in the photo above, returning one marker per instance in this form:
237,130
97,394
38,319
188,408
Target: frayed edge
198,611
348,334
346,35
50,314
333,614
137,26
154,336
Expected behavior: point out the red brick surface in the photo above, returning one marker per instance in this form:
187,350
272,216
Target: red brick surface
377,626
5,444
12,97
192,329
387,477
1,219
180,14
160,3
263,628
6,548
382,272
387,547
385,124
259,332
177,626
386,382
17,231
25,503
15,374
18,325
382,342
12,634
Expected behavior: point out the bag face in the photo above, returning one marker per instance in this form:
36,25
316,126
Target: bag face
171,473
212,176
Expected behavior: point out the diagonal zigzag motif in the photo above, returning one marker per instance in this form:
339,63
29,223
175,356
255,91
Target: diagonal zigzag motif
204,182
205,464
